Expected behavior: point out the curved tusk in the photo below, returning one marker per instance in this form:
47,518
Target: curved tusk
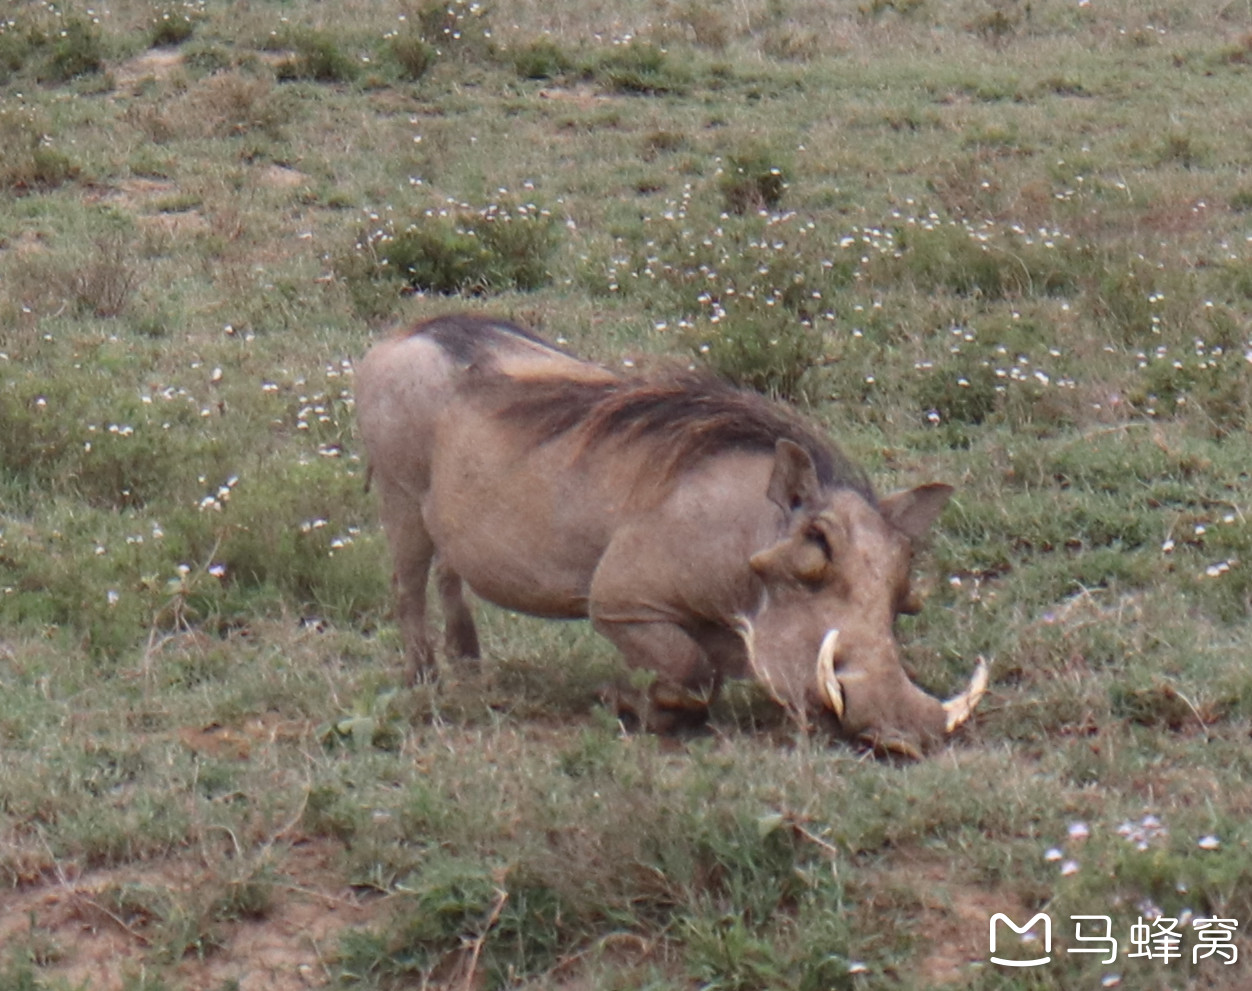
827,681
959,709
902,748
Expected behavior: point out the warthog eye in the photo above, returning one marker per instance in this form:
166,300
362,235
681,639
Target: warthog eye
818,536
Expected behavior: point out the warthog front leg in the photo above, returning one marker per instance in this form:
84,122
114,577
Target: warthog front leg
460,635
686,682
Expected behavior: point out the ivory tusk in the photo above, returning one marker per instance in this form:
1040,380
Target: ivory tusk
902,748
958,709
827,681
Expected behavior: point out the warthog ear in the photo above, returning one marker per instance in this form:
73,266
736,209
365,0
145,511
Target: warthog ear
793,483
913,511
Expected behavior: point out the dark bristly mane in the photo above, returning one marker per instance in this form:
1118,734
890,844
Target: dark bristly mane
686,416
469,339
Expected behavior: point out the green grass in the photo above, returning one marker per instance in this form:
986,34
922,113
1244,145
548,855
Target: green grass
998,247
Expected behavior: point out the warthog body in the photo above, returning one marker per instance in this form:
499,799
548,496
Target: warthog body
707,532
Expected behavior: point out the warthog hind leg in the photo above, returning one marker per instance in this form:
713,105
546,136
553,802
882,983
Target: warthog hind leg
411,552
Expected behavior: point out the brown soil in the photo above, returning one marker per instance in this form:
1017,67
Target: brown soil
157,63
956,917
81,938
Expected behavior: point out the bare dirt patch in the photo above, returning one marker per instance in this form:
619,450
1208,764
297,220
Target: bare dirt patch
144,197
157,63
175,224
579,96
25,243
136,193
955,918
283,177
76,930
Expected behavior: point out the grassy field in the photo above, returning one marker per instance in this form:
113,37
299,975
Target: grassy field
999,244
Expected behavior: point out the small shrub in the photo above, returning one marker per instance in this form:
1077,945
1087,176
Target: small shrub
640,68
792,42
206,58
248,898
946,257
662,143
724,952
503,246
103,285
373,295
18,44
1214,386
460,27
328,812
233,104
170,27
156,125
1124,301
754,180
438,255
542,59
758,346
318,58
1183,150
708,23
965,394
293,529
521,241
28,162
78,51
995,26
412,54
1241,200
55,439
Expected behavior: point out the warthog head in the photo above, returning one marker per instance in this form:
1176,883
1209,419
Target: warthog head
822,639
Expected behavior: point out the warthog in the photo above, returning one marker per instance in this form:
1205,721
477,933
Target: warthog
707,532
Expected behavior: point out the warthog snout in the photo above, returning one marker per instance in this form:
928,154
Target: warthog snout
902,722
